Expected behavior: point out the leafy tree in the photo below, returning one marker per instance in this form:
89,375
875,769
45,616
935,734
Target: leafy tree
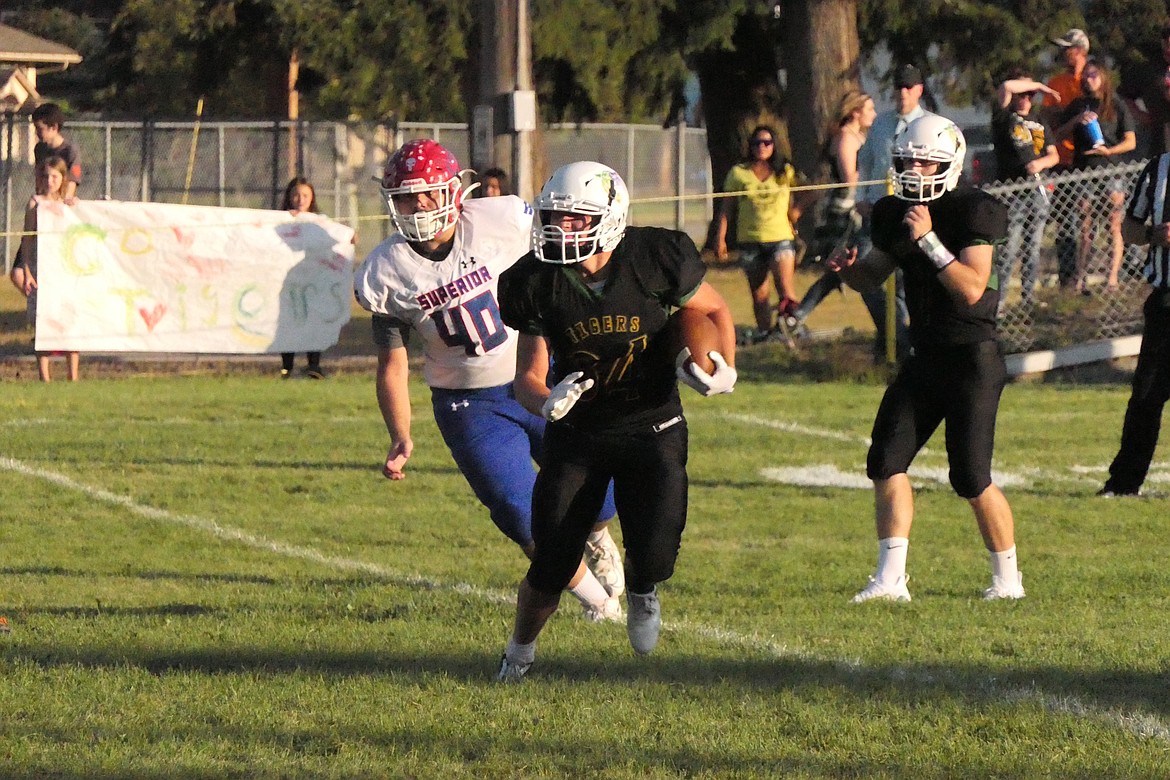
373,61
359,58
597,60
963,46
166,55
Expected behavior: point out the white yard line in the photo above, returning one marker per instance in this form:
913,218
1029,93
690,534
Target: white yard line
227,533
1144,725
832,476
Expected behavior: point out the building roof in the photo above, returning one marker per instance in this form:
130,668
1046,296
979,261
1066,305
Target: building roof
20,48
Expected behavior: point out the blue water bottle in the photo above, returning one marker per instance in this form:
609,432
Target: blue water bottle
1093,129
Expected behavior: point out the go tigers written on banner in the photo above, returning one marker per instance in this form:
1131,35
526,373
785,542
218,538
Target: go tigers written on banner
156,277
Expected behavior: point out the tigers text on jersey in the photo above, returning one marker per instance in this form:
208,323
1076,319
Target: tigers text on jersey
610,335
961,218
452,303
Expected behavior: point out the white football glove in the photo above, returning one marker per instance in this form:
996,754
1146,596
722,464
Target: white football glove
722,381
562,397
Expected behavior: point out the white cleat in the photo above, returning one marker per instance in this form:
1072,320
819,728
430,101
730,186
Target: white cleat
605,561
884,591
643,621
609,611
1001,588
510,671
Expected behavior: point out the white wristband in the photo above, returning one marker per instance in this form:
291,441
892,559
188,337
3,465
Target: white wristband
934,249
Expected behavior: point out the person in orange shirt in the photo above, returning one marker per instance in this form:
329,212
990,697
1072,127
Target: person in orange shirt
1067,85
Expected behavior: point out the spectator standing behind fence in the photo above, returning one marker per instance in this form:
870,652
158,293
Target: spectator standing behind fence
1024,147
874,160
493,183
1101,128
300,197
51,175
1074,46
763,226
840,222
48,120
1147,221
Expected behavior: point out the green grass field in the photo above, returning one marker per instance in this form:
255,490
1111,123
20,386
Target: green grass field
207,577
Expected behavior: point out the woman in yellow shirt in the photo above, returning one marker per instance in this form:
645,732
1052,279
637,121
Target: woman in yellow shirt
763,227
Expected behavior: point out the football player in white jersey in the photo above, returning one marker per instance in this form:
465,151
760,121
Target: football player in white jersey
438,276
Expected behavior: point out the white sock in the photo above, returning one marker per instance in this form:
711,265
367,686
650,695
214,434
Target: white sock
1003,564
589,591
596,537
891,558
520,654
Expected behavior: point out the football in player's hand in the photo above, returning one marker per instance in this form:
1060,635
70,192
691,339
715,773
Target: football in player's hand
695,331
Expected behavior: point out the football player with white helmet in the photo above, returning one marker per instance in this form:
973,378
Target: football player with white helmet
595,295
438,276
944,239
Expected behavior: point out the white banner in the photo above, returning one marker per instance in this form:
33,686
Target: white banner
157,277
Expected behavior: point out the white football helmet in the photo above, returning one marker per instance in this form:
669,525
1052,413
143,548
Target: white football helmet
583,188
932,138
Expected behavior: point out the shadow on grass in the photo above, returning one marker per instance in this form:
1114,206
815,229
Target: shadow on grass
898,684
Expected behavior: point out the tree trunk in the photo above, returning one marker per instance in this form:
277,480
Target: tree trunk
821,55
740,90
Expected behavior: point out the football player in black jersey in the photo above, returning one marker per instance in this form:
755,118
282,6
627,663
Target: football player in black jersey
594,295
944,240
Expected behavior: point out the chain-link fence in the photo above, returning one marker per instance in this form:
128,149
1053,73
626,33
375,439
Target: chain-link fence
1066,276
247,164
1057,272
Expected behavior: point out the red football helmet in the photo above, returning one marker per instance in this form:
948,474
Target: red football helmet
423,166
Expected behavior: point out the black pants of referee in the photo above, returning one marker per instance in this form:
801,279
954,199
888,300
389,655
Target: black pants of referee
649,473
1151,390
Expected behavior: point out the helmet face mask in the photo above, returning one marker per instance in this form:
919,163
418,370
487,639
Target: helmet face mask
580,189
418,167
929,138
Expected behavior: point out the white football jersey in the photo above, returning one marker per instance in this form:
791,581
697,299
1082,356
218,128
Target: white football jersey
452,303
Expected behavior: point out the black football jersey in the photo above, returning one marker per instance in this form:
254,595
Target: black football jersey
611,334
963,217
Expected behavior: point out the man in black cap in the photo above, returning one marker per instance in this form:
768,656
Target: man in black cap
873,163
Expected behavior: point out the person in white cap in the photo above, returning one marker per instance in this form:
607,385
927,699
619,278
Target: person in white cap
1067,85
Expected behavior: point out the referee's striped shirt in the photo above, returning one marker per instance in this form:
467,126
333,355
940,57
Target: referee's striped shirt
1149,205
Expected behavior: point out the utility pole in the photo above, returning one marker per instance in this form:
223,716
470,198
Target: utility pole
294,111
505,116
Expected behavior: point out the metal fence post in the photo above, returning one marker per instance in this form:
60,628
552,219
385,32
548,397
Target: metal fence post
221,178
9,137
275,163
108,153
339,147
630,159
147,169
680,211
